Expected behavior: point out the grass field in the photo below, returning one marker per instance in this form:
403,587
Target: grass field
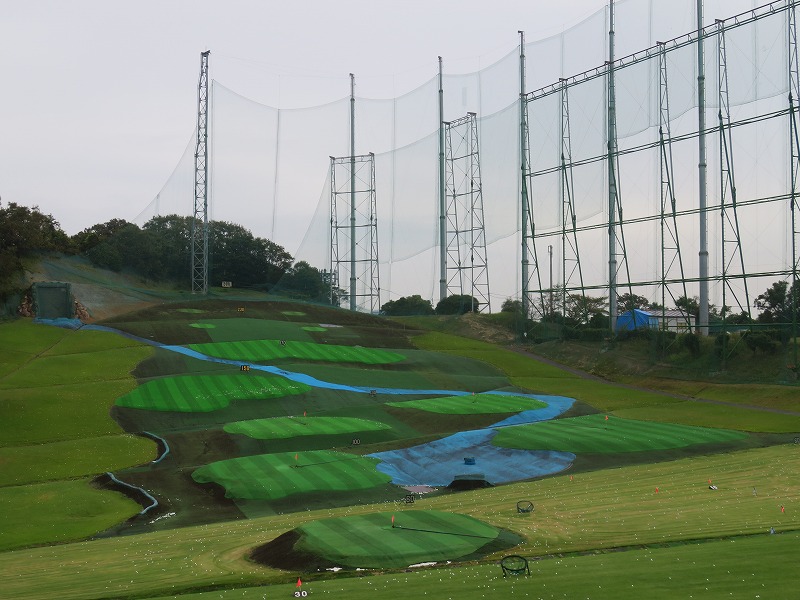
275,476
474,404
206,393
290,427
608,397
266,350
56,389
601,510
600,433
662,514
389,540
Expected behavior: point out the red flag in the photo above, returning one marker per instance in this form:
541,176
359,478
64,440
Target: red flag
392,520
299,583
656,490
304,413
295,456
606,417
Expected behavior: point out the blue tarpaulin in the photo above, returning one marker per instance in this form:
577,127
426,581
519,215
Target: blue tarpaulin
636,319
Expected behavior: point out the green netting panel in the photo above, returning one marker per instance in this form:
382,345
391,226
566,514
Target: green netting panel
53,300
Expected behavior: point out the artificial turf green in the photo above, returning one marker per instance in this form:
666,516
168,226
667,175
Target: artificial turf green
265,350
202,325
206,393
608,434
475,404
373,541
275,476
289,427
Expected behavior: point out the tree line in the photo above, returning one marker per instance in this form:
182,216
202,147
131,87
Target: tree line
160,250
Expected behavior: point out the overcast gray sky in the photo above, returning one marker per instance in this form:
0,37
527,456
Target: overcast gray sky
99,97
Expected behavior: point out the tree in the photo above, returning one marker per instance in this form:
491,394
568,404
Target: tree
629,301
583,309
96,234
691,306
775,304
407,306
26,232
512,306
457,304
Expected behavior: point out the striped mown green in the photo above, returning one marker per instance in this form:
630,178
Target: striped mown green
391,540
274,476
206,393
608,434
289,427
476,404
264,350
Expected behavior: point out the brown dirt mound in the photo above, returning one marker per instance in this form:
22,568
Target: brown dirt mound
280,553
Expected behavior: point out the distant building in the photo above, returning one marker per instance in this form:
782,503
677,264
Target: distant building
636,319
675,320
670,320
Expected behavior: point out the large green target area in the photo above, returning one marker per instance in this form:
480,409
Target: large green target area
603,434
383,540
280,428
207,393
276,476
476,404
267,350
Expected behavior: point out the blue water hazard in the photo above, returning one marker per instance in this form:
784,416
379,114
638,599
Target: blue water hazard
439,463
436,463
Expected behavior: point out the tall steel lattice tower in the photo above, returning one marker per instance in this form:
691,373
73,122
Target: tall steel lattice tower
467,268
354,231
731,250
530,257
794,144
199,231
672,273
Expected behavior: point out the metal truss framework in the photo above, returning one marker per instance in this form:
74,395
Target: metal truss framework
672,277
467,267
671,258
570,256
354,230
794,145
199,233
731,251
530,306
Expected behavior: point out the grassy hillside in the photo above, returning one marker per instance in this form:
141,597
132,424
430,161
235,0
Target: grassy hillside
64,417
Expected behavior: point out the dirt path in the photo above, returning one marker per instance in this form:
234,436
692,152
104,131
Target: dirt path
589,376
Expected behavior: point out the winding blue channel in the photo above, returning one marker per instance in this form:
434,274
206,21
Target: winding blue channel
436,463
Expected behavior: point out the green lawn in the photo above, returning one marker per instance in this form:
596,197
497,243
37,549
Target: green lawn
57,512
56,389
606,509
266,350
374,541
280,428
604,434
73,458
714,571
274,476
526,373
474,404
207,393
